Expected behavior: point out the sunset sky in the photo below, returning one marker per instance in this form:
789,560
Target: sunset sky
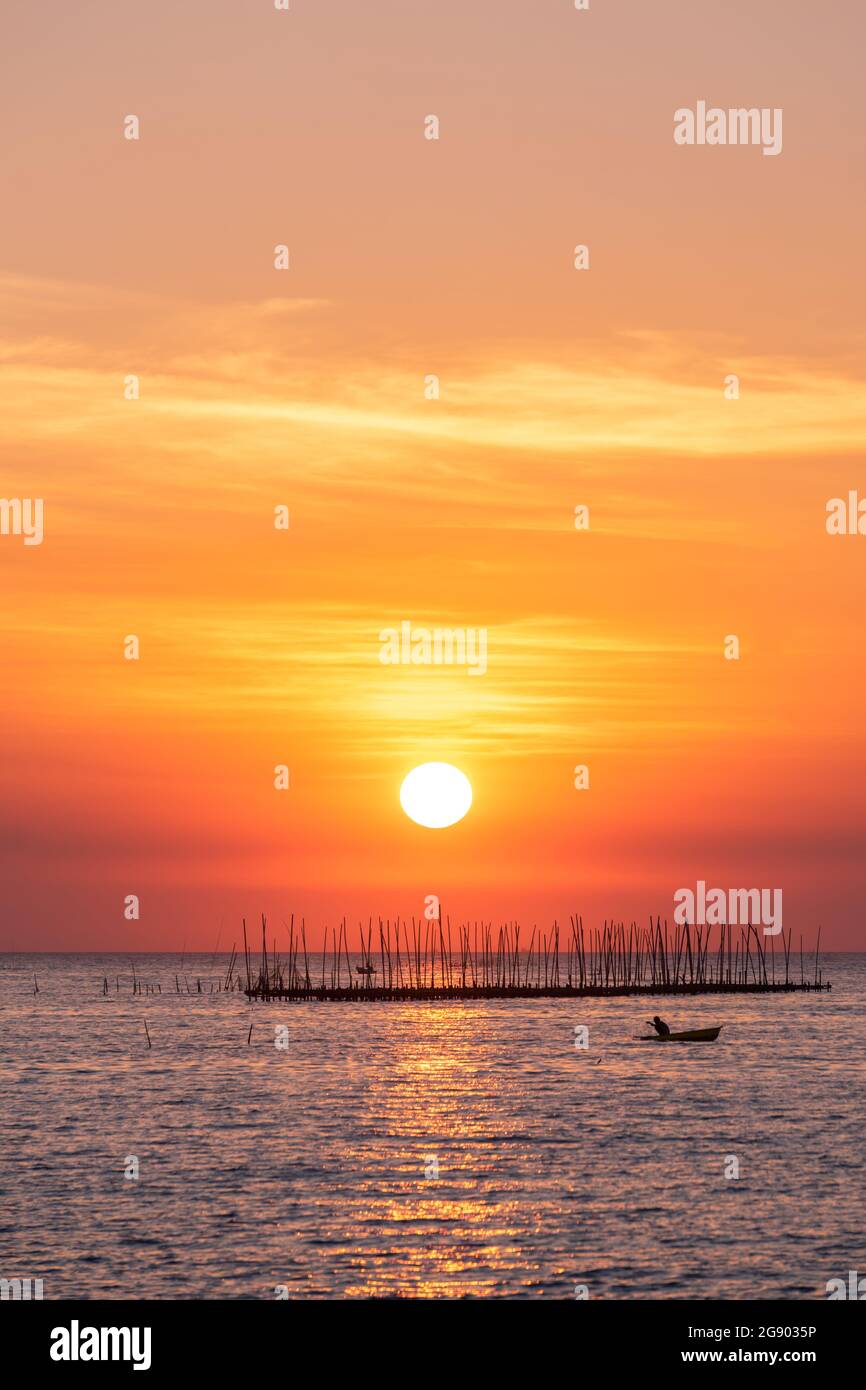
305,387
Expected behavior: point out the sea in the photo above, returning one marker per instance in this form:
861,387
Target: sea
195,1145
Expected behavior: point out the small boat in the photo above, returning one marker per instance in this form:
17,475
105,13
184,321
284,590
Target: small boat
365,969
693,1035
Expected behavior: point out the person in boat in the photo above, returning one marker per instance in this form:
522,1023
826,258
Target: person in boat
661,1027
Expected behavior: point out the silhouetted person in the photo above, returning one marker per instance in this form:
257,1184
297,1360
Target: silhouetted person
661,1027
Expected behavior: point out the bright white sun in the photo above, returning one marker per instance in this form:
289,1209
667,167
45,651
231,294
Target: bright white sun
436,795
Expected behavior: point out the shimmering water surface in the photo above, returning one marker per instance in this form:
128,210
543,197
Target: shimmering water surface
306,1167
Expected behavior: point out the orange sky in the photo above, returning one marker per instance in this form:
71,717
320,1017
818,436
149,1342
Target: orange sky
306,388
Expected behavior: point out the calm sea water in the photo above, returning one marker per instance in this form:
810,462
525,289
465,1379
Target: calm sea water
310,1167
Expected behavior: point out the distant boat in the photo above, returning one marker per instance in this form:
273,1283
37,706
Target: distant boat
365,969
694,1035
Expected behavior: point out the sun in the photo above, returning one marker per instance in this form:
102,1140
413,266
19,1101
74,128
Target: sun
436,795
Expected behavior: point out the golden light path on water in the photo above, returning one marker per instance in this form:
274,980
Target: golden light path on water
431,1087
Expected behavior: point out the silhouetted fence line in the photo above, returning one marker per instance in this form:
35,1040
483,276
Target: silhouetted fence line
425,959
